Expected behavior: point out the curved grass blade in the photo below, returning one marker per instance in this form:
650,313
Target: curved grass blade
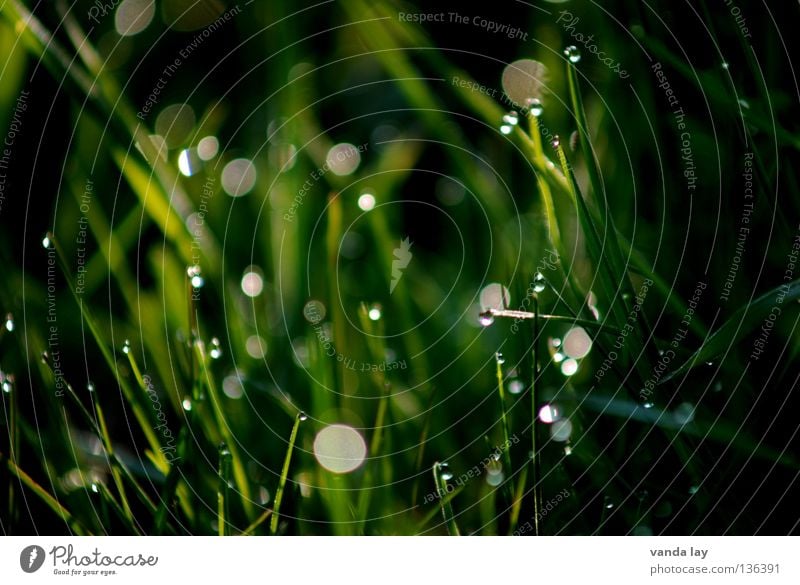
739,326
273,525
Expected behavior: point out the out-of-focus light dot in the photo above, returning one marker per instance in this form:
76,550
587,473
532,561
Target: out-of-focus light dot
208,147
175,123
282,156
569,367
577,343
523,80
343,159
133,16
303,481
558,357
187,404
642,530
516,387
232,387
494,296
263,496
506,129
684,413
252,283
256,346
495,479
188,162
549,413
340,448
374,312
238,177
300,353
561,430
314,311
366,202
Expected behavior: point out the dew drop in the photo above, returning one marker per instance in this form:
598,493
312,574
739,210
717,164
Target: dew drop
126,347
569,367
647,404
9,322
534,106
608,503
539,282
556,142
187,404
555,342
90,387
486,318
95,489
558,357
511,118
725,65
6,386
444,472
302,416
500,359
568,450
375,312
216,349
506,129
46,242
549,413
572,53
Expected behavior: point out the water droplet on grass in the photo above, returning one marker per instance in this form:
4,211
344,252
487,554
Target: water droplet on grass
500,359
9,322
572,53
187,404
511,118
608,503
556,142
539,282
126,347
46,242
444,472
302,416
506,129
216,349
534,106
549,413
375,312
486,318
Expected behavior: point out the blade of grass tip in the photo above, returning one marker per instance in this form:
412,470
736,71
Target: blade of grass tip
534,414
122,514
604,218
223,506
739,325
115,472
516,507
46,497
273,525
440,476
423,439
606,278
223,426
51,241
499,361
